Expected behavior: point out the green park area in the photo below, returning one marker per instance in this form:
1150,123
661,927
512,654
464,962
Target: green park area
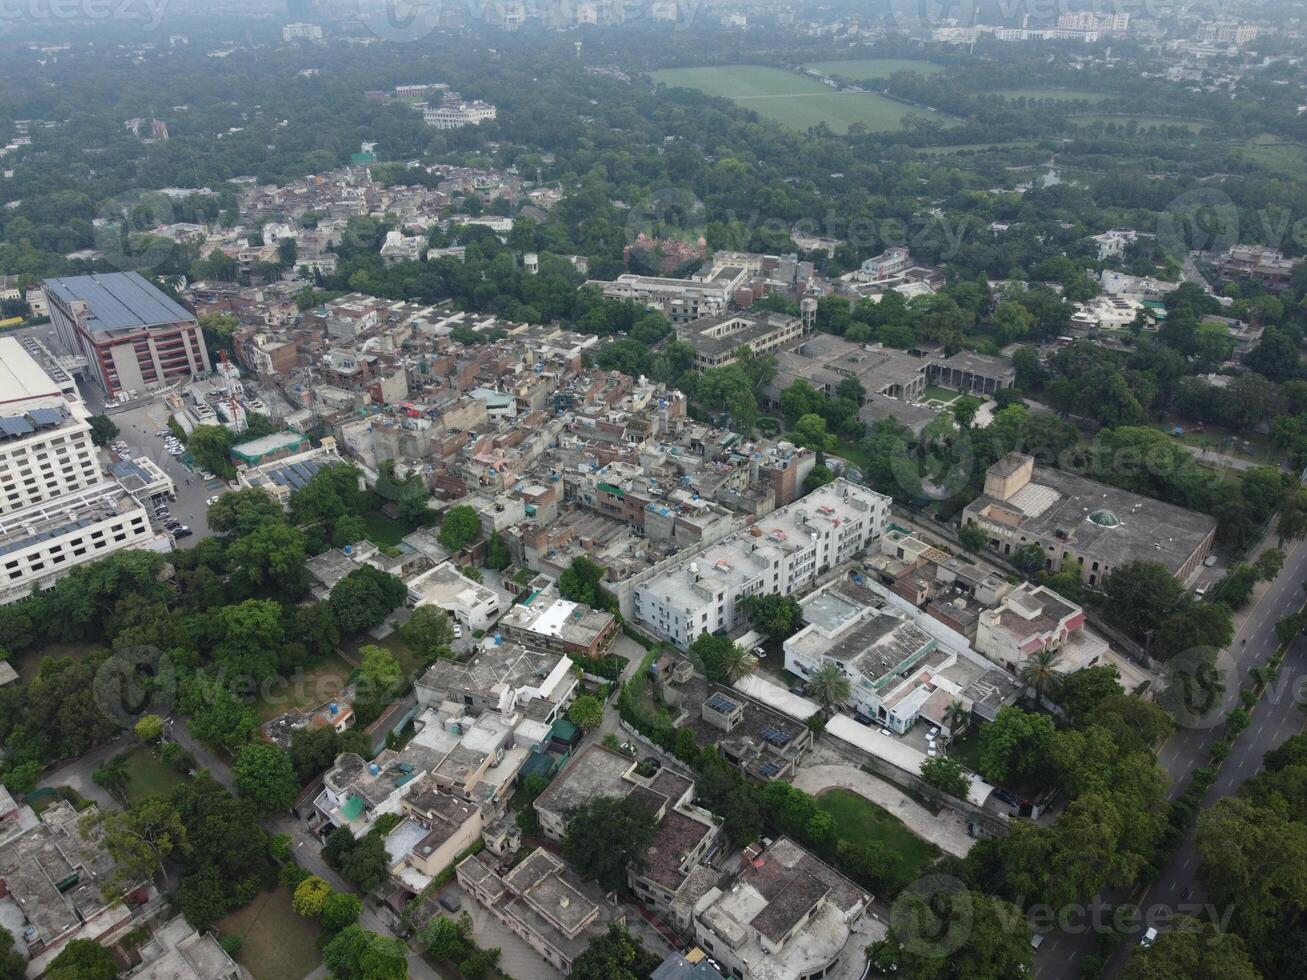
860,821
148,775
305,688
792,100
276,943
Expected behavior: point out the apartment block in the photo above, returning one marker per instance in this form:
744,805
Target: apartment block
783,553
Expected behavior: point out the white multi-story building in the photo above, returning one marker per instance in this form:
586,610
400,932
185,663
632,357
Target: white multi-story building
301,32
783,553
57,508
458,116
680,300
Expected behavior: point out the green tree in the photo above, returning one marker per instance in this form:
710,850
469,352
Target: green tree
83,959
616,955
985,938
775,614
1141,594
497,556
149,728
1191,950
313,750
460,528
240,512
103,430
264,775
1081,691
810,431
580,582
1039,673
427,632
829,685
946,775
1014,745
605,836
586,712
972,538
722,661
801,399
1269,563
340,910
113,776
448,939
332,493
13,964
310,896
272,555
210,446
364,598
141,838
1198,624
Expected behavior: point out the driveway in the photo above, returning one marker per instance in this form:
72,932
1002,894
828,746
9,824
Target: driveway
947,831
137,427
77,774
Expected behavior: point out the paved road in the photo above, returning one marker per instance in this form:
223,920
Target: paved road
77,774
1276,717
1220,459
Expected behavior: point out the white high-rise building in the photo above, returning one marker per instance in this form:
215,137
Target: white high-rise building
57,508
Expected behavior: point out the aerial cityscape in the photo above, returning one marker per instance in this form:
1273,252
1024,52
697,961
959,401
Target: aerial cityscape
653,490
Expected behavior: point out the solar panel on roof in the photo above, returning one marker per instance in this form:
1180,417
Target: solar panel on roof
46,418
774,736
720,702
769,769
15,425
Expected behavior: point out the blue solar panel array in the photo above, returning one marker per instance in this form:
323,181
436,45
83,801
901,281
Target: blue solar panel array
294,475
769,769
54,532
720,702
13,426
774,736
46,418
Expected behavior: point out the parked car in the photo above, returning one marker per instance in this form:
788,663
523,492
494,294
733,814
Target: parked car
450,902
1149,937
458,632
182,532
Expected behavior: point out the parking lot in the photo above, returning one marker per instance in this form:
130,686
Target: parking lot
137,427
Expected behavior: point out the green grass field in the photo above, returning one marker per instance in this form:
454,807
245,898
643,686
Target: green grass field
383,531
28,662
148,775
869,69
1289,159
964,147
859,820
791,100
1143,122
1051,94
276,943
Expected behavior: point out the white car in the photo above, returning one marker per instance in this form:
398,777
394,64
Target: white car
211,501
1148,937
760,653
458,632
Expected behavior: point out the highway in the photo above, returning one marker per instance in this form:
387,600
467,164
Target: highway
1276,717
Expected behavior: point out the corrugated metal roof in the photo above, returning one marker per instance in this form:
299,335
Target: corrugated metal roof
118,300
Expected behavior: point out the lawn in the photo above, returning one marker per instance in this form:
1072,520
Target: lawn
28,662
408,661
1143,123
1251,446
1052,95
869,69
793,100
276,943
945,396
382,531
307,687
1289,159
148,775
858,820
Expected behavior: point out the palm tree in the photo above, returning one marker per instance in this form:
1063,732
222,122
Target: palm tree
829,685
1038,673
736,662
956,718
